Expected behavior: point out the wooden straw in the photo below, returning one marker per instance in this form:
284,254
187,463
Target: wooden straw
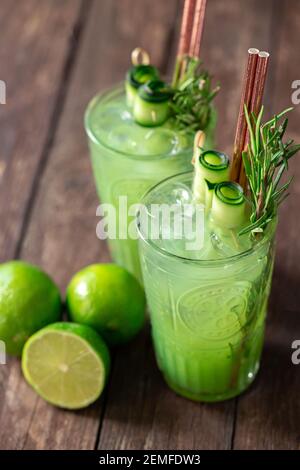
190,36
199,141
260,81
256,102
195,43
186,27
241,129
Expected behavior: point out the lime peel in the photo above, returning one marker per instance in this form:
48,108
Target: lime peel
66,364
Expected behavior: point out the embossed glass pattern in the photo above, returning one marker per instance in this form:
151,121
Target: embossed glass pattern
207,315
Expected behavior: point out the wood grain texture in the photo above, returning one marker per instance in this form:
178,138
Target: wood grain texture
269,415
61,236
141,412
48,199
35,45
35,41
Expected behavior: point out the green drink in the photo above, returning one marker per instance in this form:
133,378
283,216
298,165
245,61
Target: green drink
207,305
207,252
128,158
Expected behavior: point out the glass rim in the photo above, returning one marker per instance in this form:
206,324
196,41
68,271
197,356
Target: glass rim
269,234
117,89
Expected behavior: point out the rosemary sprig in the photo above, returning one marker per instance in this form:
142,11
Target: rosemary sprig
193,95
265,161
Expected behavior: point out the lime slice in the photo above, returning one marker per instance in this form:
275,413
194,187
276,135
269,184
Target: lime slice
66,364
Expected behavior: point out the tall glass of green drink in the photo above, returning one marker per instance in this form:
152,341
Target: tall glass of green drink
129,157
207,261
143,131
207,305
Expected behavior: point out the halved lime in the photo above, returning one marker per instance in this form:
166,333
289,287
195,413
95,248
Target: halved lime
66,364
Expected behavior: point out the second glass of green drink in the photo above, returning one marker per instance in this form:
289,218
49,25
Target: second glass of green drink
128,158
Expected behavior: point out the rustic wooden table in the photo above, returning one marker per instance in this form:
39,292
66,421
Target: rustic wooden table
55,55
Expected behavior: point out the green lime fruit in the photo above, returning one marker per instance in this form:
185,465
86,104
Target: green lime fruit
109,299
29,300
66,364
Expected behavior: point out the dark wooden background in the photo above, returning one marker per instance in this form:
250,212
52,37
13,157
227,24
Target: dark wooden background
55,55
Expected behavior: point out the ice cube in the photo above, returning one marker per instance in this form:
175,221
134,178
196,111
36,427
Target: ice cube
180,195
126,116
159,141
124,138
228,242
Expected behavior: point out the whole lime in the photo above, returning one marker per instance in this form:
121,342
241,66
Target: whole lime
109,299
66,364
29,300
